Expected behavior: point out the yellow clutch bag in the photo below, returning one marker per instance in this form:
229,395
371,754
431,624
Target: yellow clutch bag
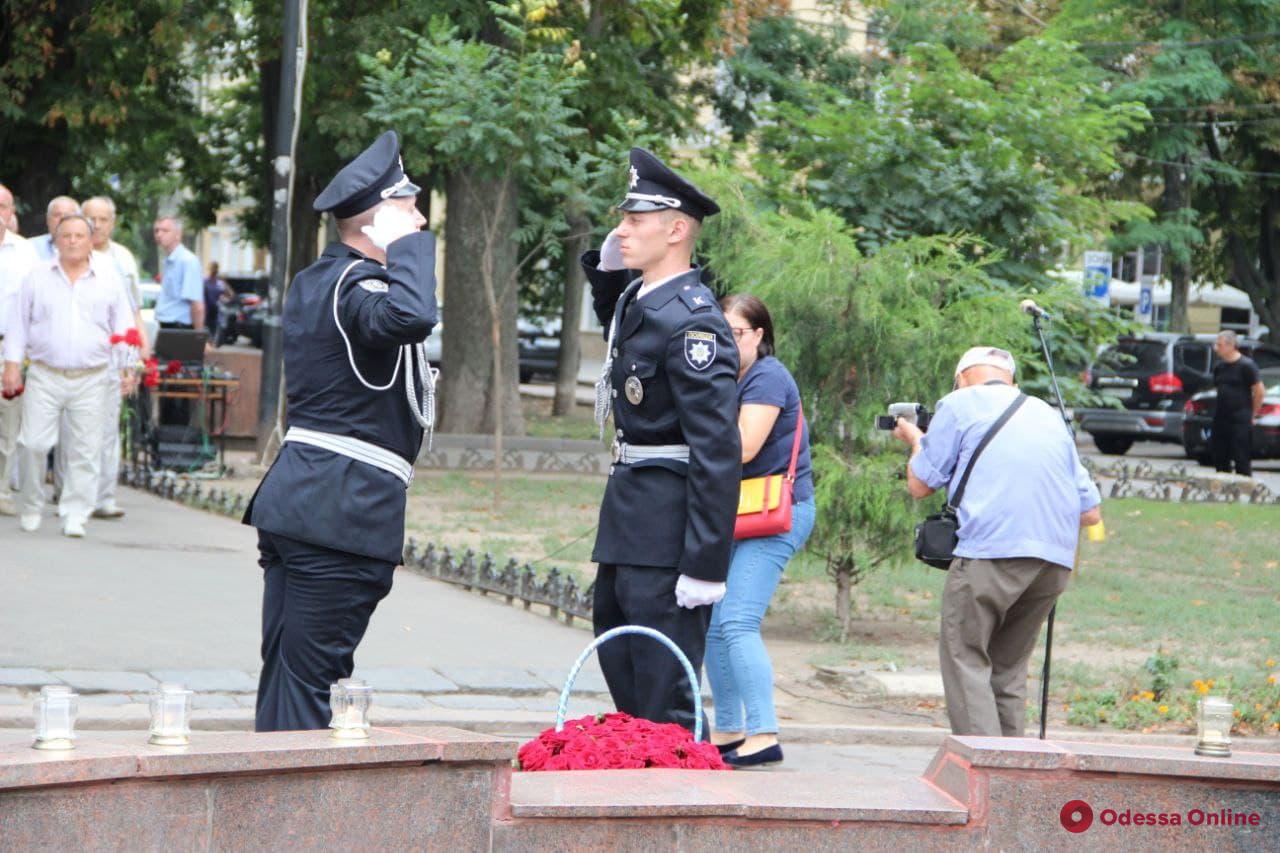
752,496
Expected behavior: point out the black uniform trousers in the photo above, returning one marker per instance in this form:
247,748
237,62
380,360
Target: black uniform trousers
316,605
645,679
1232,441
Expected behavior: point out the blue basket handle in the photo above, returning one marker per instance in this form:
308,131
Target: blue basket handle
563,707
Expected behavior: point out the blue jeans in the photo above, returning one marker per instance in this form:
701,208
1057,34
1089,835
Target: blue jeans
738,666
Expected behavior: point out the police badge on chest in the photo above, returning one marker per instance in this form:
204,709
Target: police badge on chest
634,389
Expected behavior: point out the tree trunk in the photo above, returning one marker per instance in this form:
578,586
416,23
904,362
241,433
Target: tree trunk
570,319
841,569
467,397
1175,203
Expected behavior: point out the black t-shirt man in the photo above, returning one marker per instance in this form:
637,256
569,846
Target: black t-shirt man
1234,381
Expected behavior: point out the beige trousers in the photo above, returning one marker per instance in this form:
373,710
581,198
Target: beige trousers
992,611
10,423
109,462
48,395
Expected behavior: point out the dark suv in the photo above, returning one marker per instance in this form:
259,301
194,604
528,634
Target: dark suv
1151,376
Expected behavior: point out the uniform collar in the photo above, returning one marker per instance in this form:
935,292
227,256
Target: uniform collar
665,292
339,249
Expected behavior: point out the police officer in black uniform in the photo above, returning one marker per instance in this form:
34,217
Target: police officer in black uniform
670,379
330,511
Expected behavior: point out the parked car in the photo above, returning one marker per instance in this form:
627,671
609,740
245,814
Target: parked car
539,344
1151,377
1197,422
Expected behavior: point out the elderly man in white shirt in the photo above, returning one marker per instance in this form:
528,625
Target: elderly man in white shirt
101,211
16,259
67,312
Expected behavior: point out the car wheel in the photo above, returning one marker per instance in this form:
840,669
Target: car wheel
1114,445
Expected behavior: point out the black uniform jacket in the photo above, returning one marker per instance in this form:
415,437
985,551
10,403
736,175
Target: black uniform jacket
313,494
676,343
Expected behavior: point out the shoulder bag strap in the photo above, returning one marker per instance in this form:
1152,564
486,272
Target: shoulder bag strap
795,443
986,439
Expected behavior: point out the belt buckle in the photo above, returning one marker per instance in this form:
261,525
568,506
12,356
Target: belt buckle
616,451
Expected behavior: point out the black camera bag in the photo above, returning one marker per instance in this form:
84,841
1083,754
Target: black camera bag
938,534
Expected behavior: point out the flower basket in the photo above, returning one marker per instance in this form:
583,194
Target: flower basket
619,741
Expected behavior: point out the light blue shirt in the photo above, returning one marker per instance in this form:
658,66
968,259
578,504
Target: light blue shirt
180,285
43,246
1027,489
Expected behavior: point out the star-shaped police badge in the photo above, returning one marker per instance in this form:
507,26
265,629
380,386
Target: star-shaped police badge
633,176
699,349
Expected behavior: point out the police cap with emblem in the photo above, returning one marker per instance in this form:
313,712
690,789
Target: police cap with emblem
653,186
374,176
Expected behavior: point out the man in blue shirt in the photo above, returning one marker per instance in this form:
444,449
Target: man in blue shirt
58,208
1020,520
181,302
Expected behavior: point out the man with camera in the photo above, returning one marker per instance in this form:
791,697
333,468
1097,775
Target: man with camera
1019,522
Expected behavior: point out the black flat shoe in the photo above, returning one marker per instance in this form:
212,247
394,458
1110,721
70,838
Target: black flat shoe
766,757
731,745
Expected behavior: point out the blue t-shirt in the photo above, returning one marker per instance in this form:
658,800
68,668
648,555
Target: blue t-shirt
768,383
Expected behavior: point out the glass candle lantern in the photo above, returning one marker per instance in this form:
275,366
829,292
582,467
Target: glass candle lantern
55,713
170,715
349,700
1214,721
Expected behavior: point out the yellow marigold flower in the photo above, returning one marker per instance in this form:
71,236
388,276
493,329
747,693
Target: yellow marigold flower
1271,679
1148,695
1163,709
1271,661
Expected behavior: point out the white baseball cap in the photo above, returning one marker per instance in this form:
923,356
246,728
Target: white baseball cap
992,356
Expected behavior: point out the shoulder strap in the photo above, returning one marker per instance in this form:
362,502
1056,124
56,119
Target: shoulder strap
986,439
795,442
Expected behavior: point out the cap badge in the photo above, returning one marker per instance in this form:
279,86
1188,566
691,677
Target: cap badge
634,176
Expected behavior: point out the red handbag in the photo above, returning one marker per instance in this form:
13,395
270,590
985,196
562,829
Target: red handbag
764,503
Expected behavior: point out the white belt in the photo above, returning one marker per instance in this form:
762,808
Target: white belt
626,454
354,448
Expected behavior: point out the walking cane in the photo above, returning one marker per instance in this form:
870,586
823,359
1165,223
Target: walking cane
1048,634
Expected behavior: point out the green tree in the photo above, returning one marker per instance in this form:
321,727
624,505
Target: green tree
490,114
104,97
1208,156
860,331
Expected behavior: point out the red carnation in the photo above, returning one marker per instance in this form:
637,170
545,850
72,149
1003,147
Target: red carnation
133,338
173,367
117,339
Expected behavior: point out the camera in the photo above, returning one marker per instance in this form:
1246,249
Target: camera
912,412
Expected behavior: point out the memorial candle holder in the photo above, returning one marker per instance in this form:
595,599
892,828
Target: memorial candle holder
55,713
1214,720
170,715
349,700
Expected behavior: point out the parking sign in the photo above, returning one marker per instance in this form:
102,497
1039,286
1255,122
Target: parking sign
1097,276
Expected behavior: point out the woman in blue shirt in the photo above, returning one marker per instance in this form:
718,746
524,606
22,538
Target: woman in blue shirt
738,666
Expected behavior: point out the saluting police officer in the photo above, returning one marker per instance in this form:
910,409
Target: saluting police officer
670,378
330,512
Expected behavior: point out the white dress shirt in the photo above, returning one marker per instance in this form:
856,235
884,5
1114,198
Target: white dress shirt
647,288
16,259
64,325
126,267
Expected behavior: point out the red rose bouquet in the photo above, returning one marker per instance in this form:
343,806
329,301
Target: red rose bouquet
618,742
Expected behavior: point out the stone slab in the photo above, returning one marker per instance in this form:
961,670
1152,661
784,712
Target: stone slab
406,680
401,701
92,760
209,680
24,677
487,679
479,701
705,793
105,681
461,745
213,702
106,699
1010,752
906,683
1166,761
589,680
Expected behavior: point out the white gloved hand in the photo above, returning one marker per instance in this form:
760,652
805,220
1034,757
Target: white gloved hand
691,592
390,223
611,253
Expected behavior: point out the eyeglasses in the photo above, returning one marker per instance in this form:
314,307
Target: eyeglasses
739,332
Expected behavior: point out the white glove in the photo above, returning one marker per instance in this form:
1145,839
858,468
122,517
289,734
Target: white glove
691,592
390,223
611,253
